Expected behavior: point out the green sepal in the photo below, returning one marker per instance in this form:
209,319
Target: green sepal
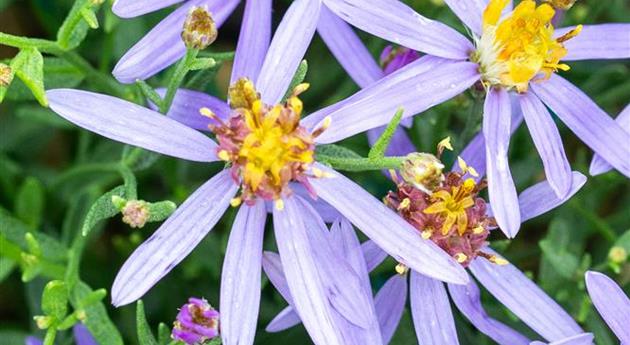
160,210
55,299
28,65
90,17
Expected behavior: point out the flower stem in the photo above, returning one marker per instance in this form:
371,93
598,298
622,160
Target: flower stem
181,69
361,164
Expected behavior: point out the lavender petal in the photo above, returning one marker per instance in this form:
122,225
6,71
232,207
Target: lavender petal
285,319
131,124
588,121
305,282
393,234
611,302
580,339
470,12
548,142
240,277
467,299
30,340
174,240
400,24
287,49
373,254
272,265
163,45
431,311
390,304
348,49
602,41
186,105
501,189
525,299
134,8
416,87
253,40
82,336
541,197
598,164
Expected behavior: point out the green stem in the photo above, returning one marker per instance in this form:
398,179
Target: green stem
181,69
361,164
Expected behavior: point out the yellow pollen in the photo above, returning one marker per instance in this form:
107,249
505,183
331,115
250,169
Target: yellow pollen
461,257
224,155
497,260
279,204
207,113
465,168
513,51
445,144
401,269
404,204
477,230
426,234
235,202
452,206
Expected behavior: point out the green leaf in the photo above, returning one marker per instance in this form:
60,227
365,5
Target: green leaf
102,208
380,146
29,67
202,63
164,334
75,27
55,299
145,336
96,319
61,73
90,18
6,267
29,202
161,210
333,150
298,78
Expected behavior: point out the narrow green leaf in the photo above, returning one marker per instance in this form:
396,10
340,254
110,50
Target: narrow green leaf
380,146
145,336
90,17
337,151
298,78
161,210
96,319
55,299
30,69
202,63
149,92
102,209
29,202
164,334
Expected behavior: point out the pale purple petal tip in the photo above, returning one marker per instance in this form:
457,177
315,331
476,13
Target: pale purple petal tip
598,164
541,197
400,24
253,41
611,303
525,299
174,240
390,304
431,311
501,189
580,339
467,299
82,335
285,319
393,234
240,276
186,105
587,120
373,254
163,45
134,8
602,41
131,124
287,49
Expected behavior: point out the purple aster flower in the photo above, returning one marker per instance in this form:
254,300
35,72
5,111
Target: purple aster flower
507,61
269,150
196,322
611,302
82,336
161,46
464,238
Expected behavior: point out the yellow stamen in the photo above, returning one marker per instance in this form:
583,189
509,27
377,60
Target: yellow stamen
223,155
497,260
235,202
478,229
207,113
445,144
401,269
404,204
426,234
461,257
279,204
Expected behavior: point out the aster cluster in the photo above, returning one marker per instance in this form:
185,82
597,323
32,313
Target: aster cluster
278,165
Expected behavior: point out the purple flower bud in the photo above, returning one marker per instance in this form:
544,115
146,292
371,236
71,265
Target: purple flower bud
196,322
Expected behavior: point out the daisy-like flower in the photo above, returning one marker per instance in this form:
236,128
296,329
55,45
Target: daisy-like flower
268,151
611,302
513,52
82,336
163,45
464,239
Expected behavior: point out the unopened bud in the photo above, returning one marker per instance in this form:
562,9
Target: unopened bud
199,28
561,4
617,255
6,75
196,322
135,213
423,171
43,322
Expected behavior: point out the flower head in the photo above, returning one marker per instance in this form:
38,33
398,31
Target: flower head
196,322
200,29
266,145
513,51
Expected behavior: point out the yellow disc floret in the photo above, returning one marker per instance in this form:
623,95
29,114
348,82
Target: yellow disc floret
452,206
512,51
265,144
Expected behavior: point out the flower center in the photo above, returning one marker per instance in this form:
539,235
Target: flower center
265,145
450,214
512,51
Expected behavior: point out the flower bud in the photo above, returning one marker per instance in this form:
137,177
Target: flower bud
196,322
6,75
135,213
199,28
617,255
423,171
